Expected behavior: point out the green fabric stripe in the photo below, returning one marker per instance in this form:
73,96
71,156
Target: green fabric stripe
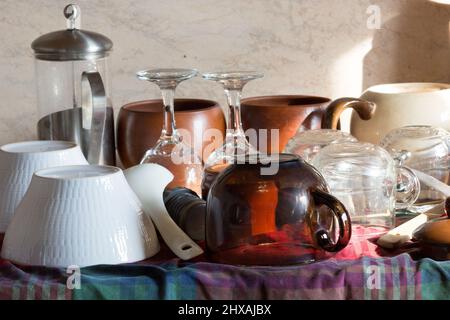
46,290
435,279
31,288
16,291
61,292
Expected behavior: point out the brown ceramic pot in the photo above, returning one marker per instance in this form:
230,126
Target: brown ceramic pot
290,113
139,126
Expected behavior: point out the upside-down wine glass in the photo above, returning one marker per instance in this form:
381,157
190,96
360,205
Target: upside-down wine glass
170,151
236,145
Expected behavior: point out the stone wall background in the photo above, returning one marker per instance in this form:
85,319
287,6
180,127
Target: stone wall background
320,47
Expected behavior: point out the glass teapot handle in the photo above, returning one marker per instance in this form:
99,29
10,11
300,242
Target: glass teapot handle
408,184
93,105
365,110
321,236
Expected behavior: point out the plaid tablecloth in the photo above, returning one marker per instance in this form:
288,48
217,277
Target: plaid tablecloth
361,271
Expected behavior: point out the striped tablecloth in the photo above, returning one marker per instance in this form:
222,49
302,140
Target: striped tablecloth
361,271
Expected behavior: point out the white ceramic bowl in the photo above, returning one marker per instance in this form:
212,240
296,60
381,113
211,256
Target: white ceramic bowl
79,215
18,162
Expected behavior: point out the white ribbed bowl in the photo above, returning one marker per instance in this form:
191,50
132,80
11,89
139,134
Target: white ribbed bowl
79,215
18,162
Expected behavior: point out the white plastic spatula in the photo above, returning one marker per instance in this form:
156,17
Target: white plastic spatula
148,181
403,233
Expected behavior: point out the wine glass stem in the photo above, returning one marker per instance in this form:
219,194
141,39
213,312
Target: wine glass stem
169,127
234,125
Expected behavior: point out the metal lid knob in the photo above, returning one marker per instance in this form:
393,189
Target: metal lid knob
72,43
72,12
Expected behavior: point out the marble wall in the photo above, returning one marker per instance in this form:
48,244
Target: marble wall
324,47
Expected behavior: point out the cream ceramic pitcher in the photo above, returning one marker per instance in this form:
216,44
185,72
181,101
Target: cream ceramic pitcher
401,104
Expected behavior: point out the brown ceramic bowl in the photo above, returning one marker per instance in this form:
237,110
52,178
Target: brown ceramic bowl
139,126
288,113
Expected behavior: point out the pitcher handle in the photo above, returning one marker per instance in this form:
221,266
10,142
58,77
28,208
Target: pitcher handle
365,110
321,236
93,107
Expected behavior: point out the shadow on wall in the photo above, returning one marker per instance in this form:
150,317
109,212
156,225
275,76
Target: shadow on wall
411,47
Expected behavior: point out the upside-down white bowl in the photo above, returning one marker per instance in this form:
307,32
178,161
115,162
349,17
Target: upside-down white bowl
79,215
18,162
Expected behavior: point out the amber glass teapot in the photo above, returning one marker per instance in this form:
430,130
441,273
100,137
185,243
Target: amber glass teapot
273,210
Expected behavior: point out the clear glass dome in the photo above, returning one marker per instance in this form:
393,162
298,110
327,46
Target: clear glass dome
308,143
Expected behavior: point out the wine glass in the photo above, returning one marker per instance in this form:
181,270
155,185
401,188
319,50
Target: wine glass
236,145
170,151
